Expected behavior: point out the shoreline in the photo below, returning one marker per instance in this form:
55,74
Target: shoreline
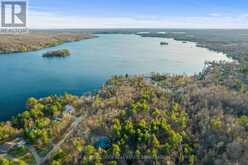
202,43
35,41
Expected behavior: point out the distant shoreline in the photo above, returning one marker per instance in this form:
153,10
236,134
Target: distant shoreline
33,41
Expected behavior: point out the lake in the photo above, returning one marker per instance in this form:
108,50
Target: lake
92,62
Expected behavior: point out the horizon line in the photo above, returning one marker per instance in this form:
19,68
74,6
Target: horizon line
135,28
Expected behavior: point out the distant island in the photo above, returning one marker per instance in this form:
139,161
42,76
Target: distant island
164,43
16,43
57,53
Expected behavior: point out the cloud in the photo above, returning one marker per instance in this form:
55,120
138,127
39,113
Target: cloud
42,19
215,14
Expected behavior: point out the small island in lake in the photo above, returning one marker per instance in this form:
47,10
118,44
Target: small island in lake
58,53
164,43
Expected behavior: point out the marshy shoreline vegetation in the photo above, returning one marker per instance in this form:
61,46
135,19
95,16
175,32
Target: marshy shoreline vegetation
162,119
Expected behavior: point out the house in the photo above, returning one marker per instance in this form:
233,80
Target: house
6,147
21,143
68,110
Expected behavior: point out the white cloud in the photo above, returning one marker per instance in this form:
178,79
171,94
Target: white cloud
214,14
40,19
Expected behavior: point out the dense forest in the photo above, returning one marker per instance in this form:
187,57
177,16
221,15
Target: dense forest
170,120
160,119
36,40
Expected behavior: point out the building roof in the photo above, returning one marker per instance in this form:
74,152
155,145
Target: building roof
6,147
69,109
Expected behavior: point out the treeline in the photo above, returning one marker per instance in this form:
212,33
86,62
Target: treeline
37,40
234,43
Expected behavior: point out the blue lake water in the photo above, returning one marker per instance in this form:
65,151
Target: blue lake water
92,62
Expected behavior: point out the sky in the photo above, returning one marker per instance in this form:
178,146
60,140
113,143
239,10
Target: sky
138,14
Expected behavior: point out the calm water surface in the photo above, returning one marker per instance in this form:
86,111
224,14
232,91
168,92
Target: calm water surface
92,62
